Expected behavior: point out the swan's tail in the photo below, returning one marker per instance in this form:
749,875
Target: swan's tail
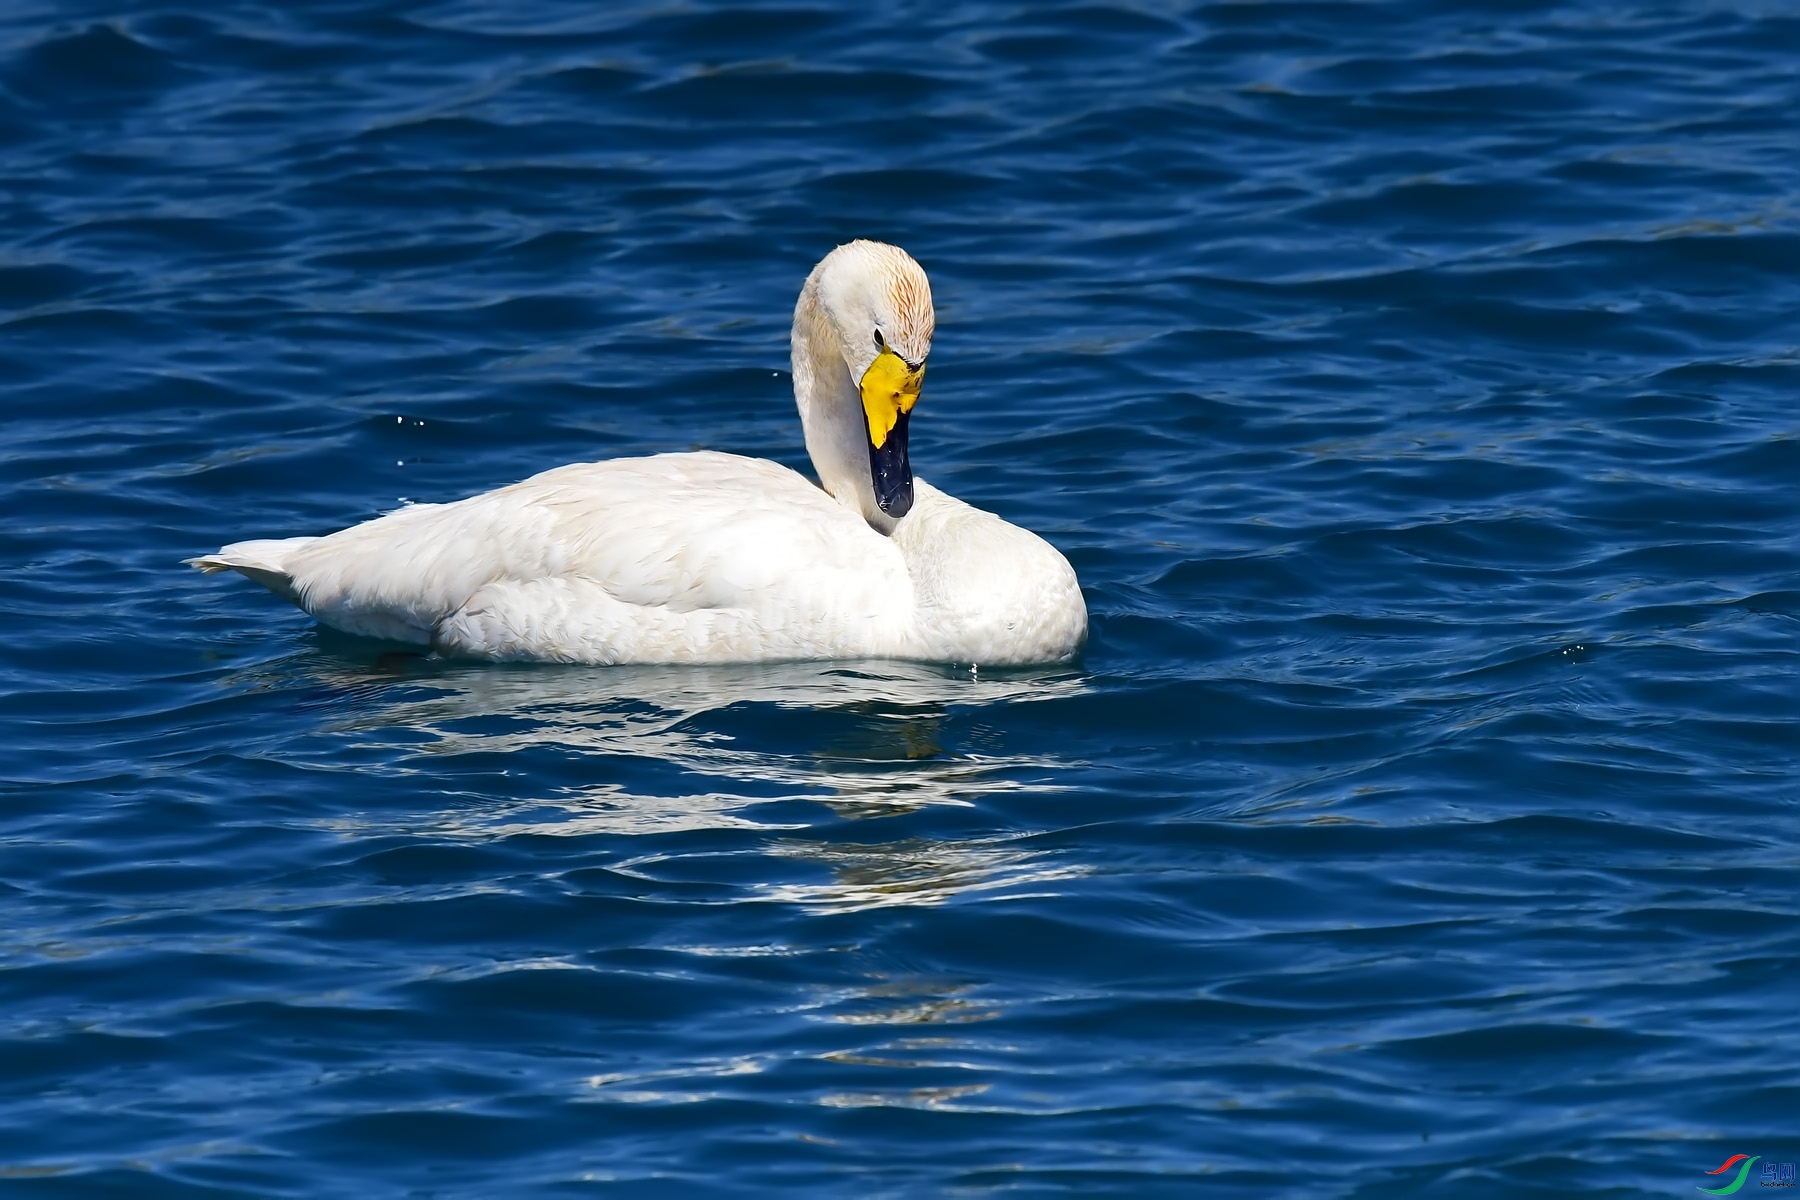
259,560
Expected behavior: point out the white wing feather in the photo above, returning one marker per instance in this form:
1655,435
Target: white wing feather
676,558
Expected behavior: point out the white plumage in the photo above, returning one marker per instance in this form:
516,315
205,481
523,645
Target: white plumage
713,558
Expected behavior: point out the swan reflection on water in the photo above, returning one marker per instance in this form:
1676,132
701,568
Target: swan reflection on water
864,739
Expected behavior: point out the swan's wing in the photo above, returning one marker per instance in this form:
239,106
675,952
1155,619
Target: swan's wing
570,618
663,536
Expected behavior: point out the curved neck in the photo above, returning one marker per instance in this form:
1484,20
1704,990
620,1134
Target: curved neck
831,411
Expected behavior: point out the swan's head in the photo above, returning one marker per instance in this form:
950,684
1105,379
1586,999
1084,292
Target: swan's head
877,301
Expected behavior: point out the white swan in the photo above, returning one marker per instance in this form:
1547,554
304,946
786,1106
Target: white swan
709,557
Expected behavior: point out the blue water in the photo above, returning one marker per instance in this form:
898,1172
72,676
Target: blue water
1413,386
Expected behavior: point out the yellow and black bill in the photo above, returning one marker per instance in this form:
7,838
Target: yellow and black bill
890,388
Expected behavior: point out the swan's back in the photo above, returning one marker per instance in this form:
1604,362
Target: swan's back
680,533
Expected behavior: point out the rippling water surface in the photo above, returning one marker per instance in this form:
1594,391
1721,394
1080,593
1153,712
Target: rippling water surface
1413,386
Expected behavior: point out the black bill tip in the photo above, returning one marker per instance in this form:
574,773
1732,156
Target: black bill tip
891,473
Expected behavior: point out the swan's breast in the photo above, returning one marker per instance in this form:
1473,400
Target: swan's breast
987,591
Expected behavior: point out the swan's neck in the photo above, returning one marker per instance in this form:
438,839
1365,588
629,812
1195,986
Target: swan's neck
831,411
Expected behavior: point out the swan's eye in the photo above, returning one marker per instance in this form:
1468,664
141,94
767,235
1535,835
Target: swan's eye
880,342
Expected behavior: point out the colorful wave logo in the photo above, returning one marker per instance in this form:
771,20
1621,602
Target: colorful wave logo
1749,1160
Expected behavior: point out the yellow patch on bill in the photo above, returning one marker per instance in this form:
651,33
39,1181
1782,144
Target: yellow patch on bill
889,388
